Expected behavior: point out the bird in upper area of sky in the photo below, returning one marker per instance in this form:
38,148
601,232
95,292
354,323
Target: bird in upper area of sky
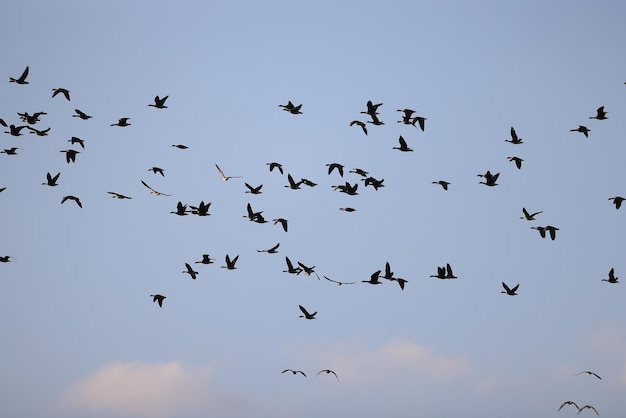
294,372
10,151
337,281
64,92
30,119
274,165
307,182
327,371
617,201
372,109
272,250
600,114
490,179
335,166
375,120
307,270
441,273
292,183
529,216
157,170
190,271
361,124
154,192
347,188
15,130
70,155
122,122
158,298
74,198
119,196
611,278
406,118
442,183
514,138
307,315
201,210
374,278
6,259
2,189
181,210
50,180
517,160
291,108
253,190
290,268
360,172
348,209
230,264
205,259
388,273
585,131
509,291
588,407
82,115
224,176
159,102
589,372
180,146
76,140
21,79
38,132
568,403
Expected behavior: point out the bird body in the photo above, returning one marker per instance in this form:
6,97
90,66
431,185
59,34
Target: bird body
361,124
327,371
190,271
509,291
82,115
119,196
158,298
272,250
589,372
374,278
529,216
74,198
291,108
230,264
600,114
306,313
122,122
294,372
518,161
617,201
585,131
514,138
206,259
21,79
159,102
64,92
50,180
442,183
403,146
611,278
223,176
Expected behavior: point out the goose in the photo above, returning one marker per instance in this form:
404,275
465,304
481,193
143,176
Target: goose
230,264
348,188
51,181
589,372
225,177
585,131
274,165
360,172
82,115
568,403
490,179
529,216
190,271
518,161
335,166
611,278
289,107
361,124
388,273
449,274
375,183
181,210
154,192
617,201
290,267
76,140
420,120
254,216
514,139
201,210
552,230
541,229
3,123
22,79
600,114
306,315
159,103
307,182
294,372
272,250
307,270
70,155
375,120
159,299
30,119
403,146
10,151
372,109
400,281
6,259
292,183
441,273
157,170
442,183
588,407
122,122
119,196
337,281
348,209
15,130
64,92
2,189
74,198
373,278
205,259
406,118
327,371
508,290
37,132
253,190
180,146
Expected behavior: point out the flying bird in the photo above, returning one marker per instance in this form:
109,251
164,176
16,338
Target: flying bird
588,407
21,79
307,270
10,151
294,372
348,209
327,371
51,181
543,229
290,268
206,259
589,372
611,278
272,250
600,114
449,274
157,170
225,177
514,138
289,107
307,182
190,271
64,92
253,190
274,165
617,201
307,315
337,281
158,298
43,132
372,109
442,183
335,166
374,278
529,216
181,210
119,196
154,192
490,179
74,198
508,290
361,124
360,172
159,103
6,259
82,115
122,122
180,146
15,130
201,210
76,140
70,155
517,160
585,131
568,403
230,264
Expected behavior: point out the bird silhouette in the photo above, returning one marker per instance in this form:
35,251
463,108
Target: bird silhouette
339,283
230,264
15,130
375,183
327,371
307,270
552,230
6,259
181,210
518,161
224,176
190,271
388,273
294,372
617,201
589,372
293,185
401,282
75,140
307,182
70,155
372,109
272,250
374,278
600,114
30,119
154,192
10,151
508,290
64,92
289,107
375,120
307,315
159,103
38,132
201,210
82,115
361,124
74,198
490,179
159,299
585,131
529,216
158,170
449,274
205,260
274,165
335,166
588,407
290,268
50,180
514,138
180,146
122,122
21,79
348,209
119,196
442,183
253,190
611,278
568,403
360,172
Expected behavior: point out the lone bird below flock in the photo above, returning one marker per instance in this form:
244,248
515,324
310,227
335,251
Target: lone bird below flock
10,151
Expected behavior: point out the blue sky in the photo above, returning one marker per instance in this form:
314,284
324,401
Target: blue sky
81,335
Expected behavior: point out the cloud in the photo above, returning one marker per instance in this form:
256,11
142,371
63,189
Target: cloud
149,390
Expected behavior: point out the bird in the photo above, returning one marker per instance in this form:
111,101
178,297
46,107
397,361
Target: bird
420,120
400,281
552,230
3,123
568,403
490,179
51,181
158,298
30,119
617,201
119,196
82,115
290,267
514,139
294,372
38,132
348,209
282,221
588,407
181,210
75,140
589,372
190,271
10,151
180,146
375,120
375,183
205,259
307,270
361,124
441,273
253,190
335,166
230,264
272,250
15,130
541,229
372,109
159,103
517,160
307,315
64,92
21,79
611,278
442,183
201,210
585,131
122,122
600,114
327,371
449,274
291,108
293,185
274,165
70,155
154,192
5,259
406,118
348,188
373,278
2,189
508,290
360,172
225,177
157,170
74,198
307,182
252,215
336,281
529,216
388,273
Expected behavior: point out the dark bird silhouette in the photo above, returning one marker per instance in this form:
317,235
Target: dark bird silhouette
375,120
76,140
6,259
224,176
517,160
552,230
360,172
420,121
159,299
335,166
374,278
400,281
514,138
201,210
588,407
403,146
541,229
600,114
274,165
289,107
441,273
51,181
307,270
290,267
406,118
158,170
38,132
508,290
307,182
327,371
490,179
74,198
617,201
205,259
119,196
253,190
348,209
372,109
190,271
230,264
181,210
292,183
585,131
272,250
30,119
3,123
388,273
70,155
347,188
159,103
611,278
568,403
21,79
306,315
122,122
64,92
154,192
449,274
589,372
375,183
10,151
15,130
337,281
2,189
180,146
82,115
294,372
250,214
442,183
361,124
529,216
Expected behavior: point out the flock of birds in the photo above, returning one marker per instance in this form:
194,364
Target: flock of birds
408,117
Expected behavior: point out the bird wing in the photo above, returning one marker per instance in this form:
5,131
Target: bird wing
513,134
304,311
220,170
515,288
506,287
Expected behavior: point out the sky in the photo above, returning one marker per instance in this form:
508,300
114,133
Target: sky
82,336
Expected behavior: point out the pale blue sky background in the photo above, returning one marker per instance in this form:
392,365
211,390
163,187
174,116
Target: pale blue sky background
81,336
